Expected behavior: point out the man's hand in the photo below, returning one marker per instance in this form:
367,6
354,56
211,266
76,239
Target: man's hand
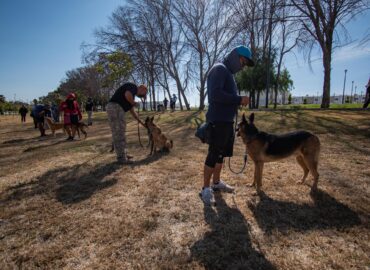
244,101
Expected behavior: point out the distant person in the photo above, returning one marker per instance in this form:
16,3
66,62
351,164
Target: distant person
72,115
23,112
38,112
165,103
89,109
367,95
173,102
54,112
31,114
122,101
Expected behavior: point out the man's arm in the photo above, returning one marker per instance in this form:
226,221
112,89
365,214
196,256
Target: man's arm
134,114
130,98
216,84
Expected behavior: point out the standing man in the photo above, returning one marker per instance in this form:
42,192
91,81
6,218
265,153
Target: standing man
173,102
165,102
122,101
33,108
38,112
367,95
23,112
89,109
223,102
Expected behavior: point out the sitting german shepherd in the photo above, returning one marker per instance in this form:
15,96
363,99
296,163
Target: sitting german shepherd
264,147
159,140
54,125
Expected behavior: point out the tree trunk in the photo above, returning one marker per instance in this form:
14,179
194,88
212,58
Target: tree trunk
150,96
153,88
201,100
180,101
276,84
327,73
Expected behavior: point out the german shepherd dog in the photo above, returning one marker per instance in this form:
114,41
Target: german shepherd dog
159,140
264,147
81,127
54,125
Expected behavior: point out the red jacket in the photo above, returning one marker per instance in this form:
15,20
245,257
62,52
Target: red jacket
68,112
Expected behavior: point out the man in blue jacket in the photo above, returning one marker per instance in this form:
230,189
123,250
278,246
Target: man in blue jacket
223,100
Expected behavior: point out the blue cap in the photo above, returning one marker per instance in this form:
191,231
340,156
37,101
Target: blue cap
246,52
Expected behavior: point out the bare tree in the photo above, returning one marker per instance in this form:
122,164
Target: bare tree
322,22
286,39
250,17
205,25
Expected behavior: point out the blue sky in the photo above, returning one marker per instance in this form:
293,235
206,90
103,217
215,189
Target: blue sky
41,40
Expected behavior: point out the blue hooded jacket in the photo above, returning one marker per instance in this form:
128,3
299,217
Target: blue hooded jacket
223,98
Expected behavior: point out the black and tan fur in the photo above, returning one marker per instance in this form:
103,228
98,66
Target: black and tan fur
265,147
54,126
81,127
159,140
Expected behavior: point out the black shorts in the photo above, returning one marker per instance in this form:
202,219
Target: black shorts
74,119
39,119
222,138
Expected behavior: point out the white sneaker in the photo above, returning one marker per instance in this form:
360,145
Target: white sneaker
222,186
207,196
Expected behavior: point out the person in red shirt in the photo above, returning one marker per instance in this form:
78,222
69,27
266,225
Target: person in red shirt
72,114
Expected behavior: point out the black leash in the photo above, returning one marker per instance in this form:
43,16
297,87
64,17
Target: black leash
138,130
245,154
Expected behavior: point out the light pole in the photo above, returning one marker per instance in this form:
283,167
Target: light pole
344,84
352,90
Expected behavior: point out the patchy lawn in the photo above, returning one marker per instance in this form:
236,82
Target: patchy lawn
69,205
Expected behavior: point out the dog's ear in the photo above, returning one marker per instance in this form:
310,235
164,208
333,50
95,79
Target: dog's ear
251,118
146,119
243,118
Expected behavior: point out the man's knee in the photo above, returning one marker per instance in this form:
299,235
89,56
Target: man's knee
214,157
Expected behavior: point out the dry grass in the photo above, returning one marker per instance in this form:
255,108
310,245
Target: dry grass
68,205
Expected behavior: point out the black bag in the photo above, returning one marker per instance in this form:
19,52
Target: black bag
203,132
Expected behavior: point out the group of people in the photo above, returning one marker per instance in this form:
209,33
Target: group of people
173,100
71,114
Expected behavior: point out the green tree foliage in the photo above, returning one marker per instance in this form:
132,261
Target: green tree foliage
253,80
114,68
285,82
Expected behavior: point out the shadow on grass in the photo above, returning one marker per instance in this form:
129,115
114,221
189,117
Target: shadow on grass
149,159
228,245
67,184
325,213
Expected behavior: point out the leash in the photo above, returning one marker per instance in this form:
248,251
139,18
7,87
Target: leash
138,128
138,132
245,154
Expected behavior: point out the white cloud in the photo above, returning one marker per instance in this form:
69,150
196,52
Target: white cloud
351,52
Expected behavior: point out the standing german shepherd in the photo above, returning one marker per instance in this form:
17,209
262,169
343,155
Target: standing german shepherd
264,147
